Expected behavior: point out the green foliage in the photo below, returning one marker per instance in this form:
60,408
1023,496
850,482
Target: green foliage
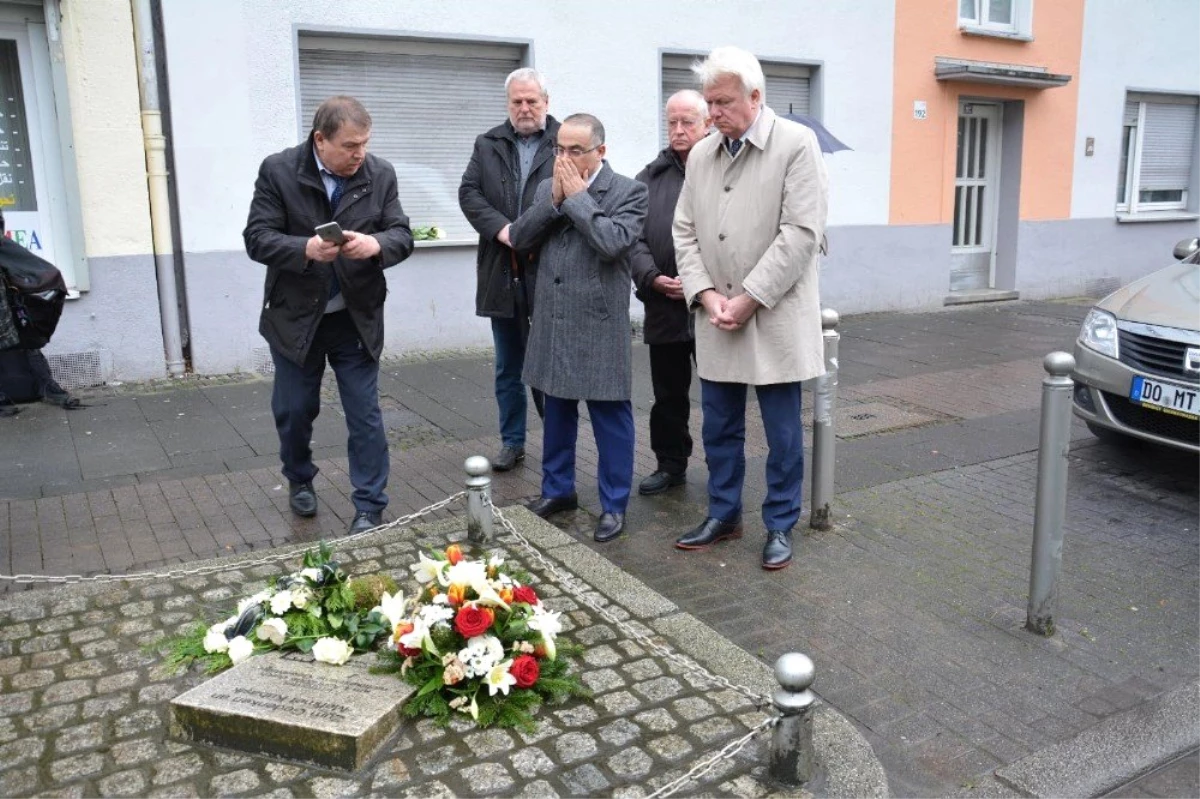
369,590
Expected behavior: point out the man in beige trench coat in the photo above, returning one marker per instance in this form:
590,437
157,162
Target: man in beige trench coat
748,229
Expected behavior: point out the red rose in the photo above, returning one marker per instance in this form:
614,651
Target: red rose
525,670
473,620
525,594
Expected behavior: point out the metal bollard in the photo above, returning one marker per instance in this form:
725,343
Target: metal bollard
824,436
1051,502
792,759
479,499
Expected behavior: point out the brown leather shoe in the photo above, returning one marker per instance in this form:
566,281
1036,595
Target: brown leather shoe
709,533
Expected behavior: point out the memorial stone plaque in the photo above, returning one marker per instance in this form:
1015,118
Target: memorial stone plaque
290,706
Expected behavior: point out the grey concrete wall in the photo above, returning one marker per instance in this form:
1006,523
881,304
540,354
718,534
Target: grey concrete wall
1092,256
117,322
885,268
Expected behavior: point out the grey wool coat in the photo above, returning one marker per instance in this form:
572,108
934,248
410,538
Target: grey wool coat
579,344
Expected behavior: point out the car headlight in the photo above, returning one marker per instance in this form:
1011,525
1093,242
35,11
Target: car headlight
1099,332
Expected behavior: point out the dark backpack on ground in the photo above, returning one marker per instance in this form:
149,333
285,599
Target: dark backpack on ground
33,291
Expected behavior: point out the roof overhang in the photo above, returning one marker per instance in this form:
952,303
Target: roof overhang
1002,74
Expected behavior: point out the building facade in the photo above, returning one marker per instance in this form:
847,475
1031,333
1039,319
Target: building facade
1000,148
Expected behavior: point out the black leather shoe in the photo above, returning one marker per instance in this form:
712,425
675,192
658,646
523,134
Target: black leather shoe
609,527
546,506
709,533
660,481
365,520
777,554
302,499
507,458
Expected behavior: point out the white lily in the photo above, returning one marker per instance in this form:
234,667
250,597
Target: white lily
474,708
474,574
391,607
499,679
274,630
240,648
332,650
548,623
419,638
281,603
427,570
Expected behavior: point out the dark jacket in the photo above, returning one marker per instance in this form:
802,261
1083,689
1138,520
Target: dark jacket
289,202
488,198
579,345
667,321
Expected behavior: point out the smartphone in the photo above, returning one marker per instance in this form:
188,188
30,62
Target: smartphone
331,232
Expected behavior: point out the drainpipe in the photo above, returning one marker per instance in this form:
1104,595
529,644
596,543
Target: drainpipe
155,144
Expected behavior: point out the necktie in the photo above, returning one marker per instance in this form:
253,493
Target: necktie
339,188
734,145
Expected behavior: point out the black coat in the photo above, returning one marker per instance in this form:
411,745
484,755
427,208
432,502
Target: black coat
667,321
488,198
289,202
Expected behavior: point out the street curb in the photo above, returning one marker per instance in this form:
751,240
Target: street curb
1116,751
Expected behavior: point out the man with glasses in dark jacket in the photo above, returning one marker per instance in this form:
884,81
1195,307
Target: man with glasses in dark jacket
667,329
508,163
323,299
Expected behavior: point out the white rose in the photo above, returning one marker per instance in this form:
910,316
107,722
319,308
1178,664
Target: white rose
240,648
311,574
215,641
300,597
281,603
438,233
273,630
331,650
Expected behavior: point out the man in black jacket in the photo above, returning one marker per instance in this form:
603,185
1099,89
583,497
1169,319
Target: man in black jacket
668,324
323,300
508,163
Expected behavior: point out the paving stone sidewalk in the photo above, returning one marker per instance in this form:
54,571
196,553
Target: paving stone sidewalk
911,607
85,696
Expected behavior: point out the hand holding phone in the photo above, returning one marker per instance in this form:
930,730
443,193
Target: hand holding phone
331,232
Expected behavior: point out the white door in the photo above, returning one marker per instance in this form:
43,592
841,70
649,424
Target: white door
32,195
976,185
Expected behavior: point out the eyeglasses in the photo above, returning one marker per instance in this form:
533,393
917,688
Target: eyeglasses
575,152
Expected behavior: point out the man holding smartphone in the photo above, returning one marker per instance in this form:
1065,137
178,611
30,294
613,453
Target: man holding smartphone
323,300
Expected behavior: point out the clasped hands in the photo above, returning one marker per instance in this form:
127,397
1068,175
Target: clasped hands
728,313
358,246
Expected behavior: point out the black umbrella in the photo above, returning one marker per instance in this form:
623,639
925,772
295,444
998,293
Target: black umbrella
829,143
524,319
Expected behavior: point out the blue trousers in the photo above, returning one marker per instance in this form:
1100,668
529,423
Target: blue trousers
612,425
724,433
296,401
510,391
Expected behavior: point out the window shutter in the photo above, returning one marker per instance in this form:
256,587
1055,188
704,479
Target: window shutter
428,101
1168,146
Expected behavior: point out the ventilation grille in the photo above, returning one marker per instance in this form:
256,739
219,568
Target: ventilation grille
77,369
263,364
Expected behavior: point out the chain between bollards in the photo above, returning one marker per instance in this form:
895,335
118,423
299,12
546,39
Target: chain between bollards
479,499
1051,502
824,434
792,759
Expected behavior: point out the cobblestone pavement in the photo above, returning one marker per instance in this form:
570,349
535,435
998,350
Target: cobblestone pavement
84,707
912,607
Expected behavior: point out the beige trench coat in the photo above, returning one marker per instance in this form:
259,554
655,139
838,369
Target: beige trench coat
755,224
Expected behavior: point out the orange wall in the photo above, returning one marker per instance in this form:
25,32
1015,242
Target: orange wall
923,151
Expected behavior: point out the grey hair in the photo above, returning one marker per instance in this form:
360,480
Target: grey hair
693,98
592,124
732,61
527,75
337,111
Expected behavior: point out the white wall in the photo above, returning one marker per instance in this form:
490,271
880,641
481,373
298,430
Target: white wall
232,66
1127,44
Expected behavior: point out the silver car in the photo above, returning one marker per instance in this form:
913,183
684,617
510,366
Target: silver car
1137,358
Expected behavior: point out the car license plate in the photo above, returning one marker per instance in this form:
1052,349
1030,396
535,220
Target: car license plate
1166,397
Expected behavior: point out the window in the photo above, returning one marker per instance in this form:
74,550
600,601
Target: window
1006,18
428,101
789,89
1158,152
